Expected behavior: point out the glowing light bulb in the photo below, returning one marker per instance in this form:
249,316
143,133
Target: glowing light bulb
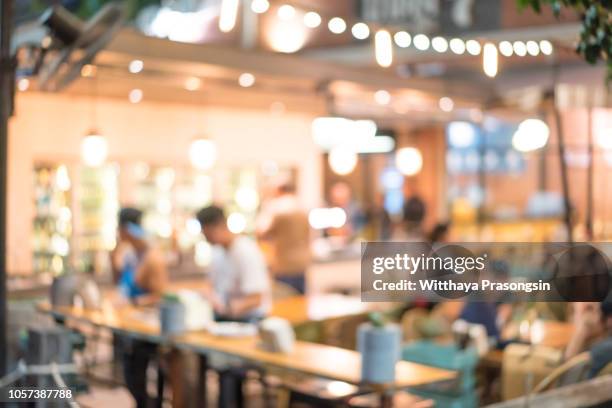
383,48
260,6
457,45
505,48
402,39
421,42
409,161
94,149
337,25
246,80
439,44
490,60
312,19
360,31
473,47
202,154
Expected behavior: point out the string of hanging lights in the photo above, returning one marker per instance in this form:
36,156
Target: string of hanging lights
385,39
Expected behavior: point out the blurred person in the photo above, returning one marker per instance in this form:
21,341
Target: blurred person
238,276
138,266
587,318
284,225
340,195
439,233
239,288
601,352
140,271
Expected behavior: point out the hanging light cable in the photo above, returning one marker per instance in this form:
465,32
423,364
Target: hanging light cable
94,147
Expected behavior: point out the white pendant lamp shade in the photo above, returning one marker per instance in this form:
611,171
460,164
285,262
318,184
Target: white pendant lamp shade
202,154
94,149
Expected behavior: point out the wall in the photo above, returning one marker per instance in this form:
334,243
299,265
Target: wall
50,127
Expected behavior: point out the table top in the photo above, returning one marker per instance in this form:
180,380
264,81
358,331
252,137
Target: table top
303,309
310,358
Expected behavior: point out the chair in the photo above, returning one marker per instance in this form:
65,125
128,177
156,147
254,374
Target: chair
605,371
282,291
572,371
524,365
454,394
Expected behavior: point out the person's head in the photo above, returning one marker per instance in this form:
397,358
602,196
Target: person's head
439,233
286,188
214,225
130,225
606,315
340,194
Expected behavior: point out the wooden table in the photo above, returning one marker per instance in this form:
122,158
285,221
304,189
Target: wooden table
309,358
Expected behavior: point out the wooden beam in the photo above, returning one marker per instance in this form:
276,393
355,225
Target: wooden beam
211,58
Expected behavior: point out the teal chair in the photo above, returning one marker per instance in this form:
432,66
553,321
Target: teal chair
460,393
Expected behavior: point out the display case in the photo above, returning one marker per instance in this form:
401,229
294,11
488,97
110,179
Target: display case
52,220
98,208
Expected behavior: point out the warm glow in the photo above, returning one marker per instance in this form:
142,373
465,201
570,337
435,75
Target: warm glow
490,60
439,44
202,154
322,218
23,84
286,12
473,47
228,15
520,48
532,134
384,48
360,31
312,19
461,134
421,42
409,161
382,97
457,45
505,48
446,104
236,223
94,149
286,36
193,83
88,71
546,47
136,66
246,80
337,25
260,6
604,138
342,160
135,95
247,198
402,39
533,48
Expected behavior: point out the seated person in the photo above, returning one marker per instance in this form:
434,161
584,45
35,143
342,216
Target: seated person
601,351
141,273
238,276
239,288
587,318
138,267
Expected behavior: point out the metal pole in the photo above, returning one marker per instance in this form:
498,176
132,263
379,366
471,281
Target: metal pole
590,175
6,96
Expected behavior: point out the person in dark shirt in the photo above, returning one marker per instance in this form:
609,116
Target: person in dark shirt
601,352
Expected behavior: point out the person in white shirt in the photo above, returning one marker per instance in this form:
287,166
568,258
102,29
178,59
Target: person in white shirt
239,281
